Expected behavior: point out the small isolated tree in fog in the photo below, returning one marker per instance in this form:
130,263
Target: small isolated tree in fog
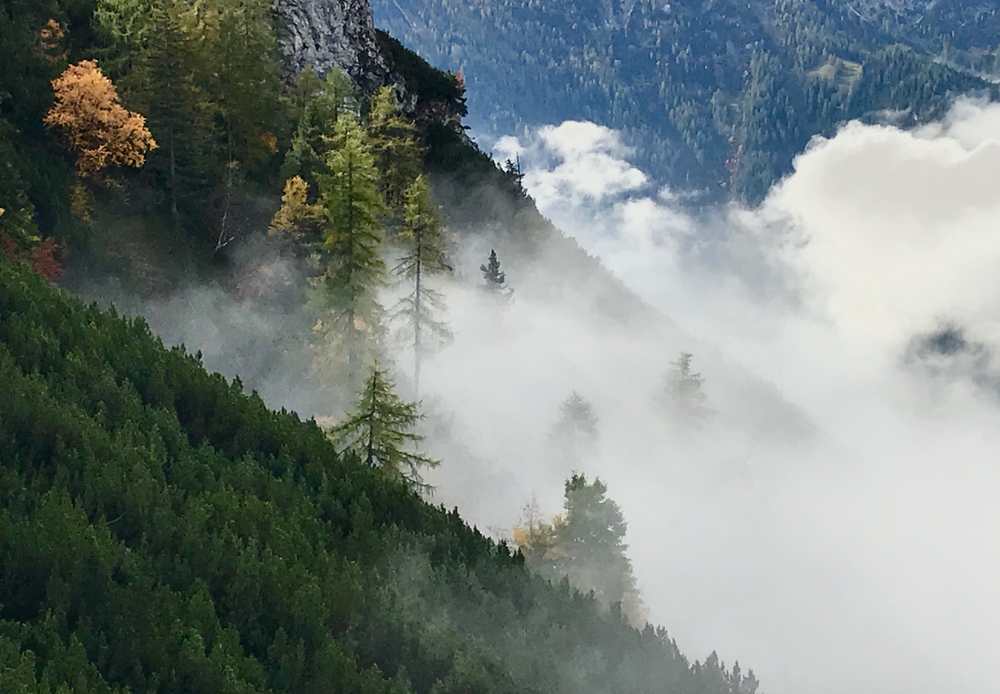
576,418
352,241
494,277
684,397
576,429
381,431
424,255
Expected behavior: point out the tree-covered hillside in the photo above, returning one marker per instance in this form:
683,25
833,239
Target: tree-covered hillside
162,531
720,94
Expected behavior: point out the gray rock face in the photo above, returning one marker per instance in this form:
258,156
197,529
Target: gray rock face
324,34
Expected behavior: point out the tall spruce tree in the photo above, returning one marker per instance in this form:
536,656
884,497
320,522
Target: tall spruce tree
425,255
167,89
238,66
353,269
396,146
380,430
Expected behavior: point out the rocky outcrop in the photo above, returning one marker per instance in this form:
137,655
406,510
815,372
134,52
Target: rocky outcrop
323,34
326,34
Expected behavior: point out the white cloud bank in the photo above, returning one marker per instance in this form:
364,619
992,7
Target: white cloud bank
869,562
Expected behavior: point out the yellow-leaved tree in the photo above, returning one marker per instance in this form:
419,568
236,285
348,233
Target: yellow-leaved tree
99,130
296,216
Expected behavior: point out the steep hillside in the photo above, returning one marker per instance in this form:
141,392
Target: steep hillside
720,94
162,531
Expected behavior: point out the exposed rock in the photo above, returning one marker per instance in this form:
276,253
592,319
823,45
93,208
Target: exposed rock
323,34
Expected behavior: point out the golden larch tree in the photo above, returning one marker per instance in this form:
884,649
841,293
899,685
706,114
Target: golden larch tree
296,215
99,130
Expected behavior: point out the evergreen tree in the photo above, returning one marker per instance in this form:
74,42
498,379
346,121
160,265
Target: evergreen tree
591,539
240,67
577,417
424,256
575,432
316,106
586,544
514,172
380,430
168,91
352,239
395,144
684,396
494,278
125,26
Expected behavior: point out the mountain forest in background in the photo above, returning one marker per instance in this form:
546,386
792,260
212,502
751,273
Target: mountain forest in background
717,96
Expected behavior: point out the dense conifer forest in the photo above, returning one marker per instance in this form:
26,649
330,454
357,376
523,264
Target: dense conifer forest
716,96
163,531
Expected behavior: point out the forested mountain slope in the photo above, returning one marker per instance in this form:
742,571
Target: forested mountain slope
235,96
718,95
162,531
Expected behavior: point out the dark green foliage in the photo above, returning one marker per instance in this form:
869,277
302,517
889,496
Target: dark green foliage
316,105
34,167
177,118
162,531
428,83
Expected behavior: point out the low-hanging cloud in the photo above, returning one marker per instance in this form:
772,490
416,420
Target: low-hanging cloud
864,290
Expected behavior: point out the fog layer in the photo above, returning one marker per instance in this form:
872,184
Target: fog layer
837,531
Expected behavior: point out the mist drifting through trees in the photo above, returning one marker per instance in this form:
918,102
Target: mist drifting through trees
770,428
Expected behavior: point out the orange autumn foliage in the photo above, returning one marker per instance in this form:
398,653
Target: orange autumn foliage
96,126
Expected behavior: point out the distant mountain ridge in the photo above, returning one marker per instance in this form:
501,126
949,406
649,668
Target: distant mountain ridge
720,94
